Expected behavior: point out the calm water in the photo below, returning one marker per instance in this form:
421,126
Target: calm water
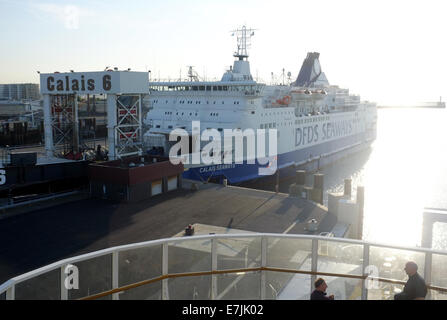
404,171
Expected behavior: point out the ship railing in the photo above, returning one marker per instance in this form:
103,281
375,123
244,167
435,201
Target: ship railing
233,266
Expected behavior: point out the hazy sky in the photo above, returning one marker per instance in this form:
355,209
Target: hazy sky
386,51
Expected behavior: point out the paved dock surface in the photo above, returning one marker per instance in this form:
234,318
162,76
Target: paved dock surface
38,238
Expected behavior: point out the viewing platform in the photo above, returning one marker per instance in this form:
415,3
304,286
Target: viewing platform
233,266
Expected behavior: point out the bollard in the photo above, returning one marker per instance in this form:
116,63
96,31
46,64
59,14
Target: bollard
225,182
348,187
317,192
317,196
319,181
300,177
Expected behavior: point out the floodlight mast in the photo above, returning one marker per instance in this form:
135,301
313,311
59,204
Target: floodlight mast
243,42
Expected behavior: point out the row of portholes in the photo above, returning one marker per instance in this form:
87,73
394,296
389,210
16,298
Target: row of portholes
197,102
273,125
276,113
167,113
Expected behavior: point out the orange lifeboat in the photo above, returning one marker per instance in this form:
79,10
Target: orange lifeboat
286,100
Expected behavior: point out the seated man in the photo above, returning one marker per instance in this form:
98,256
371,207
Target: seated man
320,291
415,289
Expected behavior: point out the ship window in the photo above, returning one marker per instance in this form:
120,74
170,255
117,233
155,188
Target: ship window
262,126
252,112
158,126
169,127
202,88
219,88
225,88
214,88
208,88
194,88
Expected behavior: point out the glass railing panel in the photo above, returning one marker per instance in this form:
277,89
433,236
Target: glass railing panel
138,265
437,295
95,276
190,288
239,286
44,287
238,253
344,288
390,263
439,271
340,257
384,291
150,291
287,286
289,253
189,256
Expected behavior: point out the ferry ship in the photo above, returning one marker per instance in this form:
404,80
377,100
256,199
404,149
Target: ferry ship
316,122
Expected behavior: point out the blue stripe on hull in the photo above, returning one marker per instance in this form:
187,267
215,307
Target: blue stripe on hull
243,172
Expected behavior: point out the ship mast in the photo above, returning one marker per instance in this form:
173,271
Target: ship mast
243,42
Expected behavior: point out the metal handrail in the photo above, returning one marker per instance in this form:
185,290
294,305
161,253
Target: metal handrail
220,272
10,284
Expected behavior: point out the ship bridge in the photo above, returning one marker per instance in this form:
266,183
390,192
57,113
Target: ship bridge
233,266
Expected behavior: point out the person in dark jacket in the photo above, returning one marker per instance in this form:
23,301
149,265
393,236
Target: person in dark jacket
415,288
320,291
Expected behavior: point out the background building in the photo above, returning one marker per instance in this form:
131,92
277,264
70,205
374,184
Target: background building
21,91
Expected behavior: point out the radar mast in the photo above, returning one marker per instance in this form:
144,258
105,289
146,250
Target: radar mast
243,41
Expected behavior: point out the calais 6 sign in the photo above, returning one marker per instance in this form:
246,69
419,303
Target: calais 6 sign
107,82
76,85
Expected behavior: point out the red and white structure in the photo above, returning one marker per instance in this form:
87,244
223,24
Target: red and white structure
125,91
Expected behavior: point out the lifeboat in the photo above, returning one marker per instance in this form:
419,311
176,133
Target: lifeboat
284,101
301,94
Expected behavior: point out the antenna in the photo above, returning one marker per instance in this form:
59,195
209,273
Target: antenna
192,75
243,41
